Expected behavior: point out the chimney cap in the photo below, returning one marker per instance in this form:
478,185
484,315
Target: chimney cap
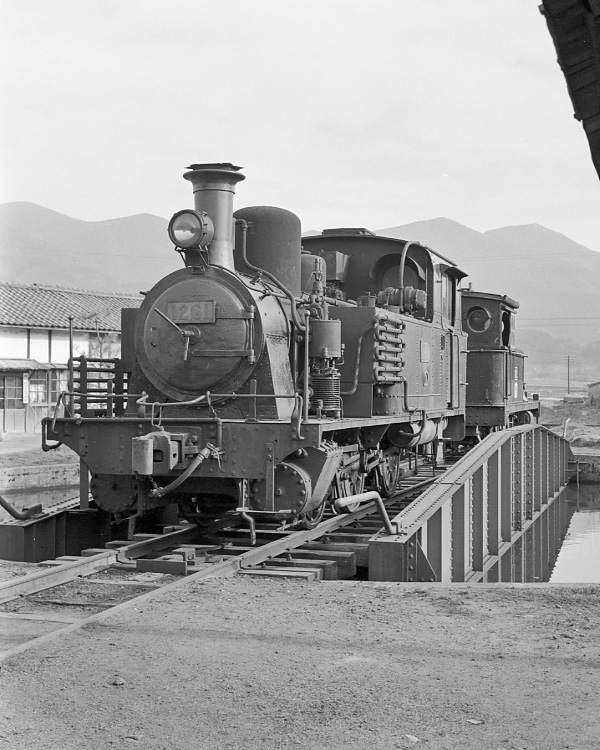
216,165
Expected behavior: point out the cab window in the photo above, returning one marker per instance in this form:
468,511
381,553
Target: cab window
448,298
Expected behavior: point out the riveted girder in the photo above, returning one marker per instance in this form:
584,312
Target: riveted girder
488,518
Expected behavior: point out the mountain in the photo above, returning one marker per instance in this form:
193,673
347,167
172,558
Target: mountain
554,278
122,255
547,272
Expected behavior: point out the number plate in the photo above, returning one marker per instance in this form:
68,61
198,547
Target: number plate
196,311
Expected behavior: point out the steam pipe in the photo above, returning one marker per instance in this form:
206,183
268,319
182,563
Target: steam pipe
405,393
297,322
338,302
402,264
306,375
354,388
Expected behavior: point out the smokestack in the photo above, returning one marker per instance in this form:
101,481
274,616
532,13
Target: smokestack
214,188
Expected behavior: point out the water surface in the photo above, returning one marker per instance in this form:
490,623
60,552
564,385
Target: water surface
578,560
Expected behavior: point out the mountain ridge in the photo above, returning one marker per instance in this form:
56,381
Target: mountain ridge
553,277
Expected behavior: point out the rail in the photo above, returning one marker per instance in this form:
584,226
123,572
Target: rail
287,552
473,522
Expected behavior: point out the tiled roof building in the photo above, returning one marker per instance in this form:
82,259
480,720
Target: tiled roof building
36,344
38,306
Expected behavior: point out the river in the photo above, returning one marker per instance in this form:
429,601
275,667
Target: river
578,559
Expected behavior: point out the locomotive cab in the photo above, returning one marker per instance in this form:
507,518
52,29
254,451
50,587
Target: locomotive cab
415,351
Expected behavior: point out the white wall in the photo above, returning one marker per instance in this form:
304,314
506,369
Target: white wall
81,345
60,347
38,346
13,343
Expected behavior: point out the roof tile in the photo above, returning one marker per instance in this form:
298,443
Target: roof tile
39,306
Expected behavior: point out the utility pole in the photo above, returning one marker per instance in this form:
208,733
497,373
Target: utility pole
568,358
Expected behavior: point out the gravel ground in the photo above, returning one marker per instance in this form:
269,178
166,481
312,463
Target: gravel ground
244,662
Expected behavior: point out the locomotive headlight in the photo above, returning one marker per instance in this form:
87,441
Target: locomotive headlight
191,229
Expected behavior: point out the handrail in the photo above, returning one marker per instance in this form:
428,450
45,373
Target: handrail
366,497
30,512
143,398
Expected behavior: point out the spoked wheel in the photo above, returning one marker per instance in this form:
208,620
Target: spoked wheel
312,518
353,483
389,471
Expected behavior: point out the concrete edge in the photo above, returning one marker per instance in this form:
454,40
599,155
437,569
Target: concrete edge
39,477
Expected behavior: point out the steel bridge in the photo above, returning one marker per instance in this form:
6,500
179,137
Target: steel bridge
491,517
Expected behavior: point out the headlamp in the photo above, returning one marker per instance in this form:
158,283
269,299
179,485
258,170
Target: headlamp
191,229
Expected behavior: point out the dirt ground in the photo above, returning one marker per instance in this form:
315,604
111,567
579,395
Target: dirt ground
243,662
20,449
581,421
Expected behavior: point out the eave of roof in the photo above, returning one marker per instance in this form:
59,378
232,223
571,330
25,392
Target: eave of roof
575,29
22,365
46,307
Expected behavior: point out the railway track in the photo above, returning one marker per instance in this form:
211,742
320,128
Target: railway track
70,592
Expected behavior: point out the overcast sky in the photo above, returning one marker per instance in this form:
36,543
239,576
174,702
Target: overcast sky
348,112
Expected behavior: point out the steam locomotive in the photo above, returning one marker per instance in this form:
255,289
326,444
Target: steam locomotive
273,374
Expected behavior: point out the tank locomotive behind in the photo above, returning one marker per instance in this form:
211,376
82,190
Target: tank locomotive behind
496,393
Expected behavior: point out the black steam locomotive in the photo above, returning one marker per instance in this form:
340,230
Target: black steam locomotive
272,374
